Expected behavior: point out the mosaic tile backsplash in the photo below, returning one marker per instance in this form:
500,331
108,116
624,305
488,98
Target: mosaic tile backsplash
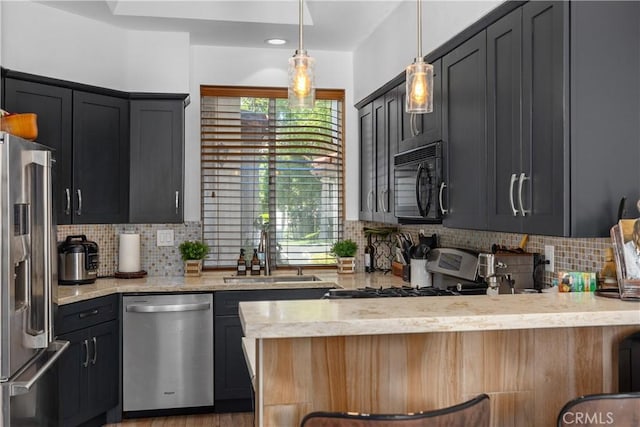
570,254
155,260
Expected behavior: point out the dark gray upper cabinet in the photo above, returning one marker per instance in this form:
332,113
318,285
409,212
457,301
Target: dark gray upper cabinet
602,141
157,161
53,105
542,186
463,118
365,128
573,161
100,159
378,143
420,129
89,132
504,121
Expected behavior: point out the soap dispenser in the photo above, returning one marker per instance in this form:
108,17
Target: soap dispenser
241,269
255,264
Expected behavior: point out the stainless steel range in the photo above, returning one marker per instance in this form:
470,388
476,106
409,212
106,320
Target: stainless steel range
385,292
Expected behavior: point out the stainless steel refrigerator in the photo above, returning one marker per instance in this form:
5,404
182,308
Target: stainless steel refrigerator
27,272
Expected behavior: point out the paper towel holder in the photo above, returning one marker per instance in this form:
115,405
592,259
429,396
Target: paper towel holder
132,275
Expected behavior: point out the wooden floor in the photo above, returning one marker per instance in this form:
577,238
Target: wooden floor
239,419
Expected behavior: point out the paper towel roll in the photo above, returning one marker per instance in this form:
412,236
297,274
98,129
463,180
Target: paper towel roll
129,254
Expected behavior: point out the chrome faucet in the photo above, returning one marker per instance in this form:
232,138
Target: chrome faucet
263,248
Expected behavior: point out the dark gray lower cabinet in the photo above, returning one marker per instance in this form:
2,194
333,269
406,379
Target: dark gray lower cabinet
157,161
233,390
88,373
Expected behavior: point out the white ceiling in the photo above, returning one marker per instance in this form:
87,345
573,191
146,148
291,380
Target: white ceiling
337,25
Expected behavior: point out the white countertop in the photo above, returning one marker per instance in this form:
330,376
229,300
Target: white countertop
316,318
209,281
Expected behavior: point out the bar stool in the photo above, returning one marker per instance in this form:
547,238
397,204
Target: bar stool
616,409
474,412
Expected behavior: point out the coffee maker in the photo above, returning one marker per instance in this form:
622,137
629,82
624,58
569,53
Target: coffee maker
507,272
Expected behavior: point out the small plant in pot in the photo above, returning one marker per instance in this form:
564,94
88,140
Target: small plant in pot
345,251
193,252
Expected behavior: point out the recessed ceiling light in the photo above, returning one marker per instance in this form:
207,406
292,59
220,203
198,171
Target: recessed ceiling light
276,42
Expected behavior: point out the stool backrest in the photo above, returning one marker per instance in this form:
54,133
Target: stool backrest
475,412
615,409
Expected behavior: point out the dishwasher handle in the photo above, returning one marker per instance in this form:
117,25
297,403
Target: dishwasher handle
167,308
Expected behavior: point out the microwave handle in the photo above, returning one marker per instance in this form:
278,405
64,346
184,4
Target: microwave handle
443,211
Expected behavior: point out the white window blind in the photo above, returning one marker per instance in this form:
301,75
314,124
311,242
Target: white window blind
266,166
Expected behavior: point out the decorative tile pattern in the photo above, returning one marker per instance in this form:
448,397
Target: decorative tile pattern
585,254
155,260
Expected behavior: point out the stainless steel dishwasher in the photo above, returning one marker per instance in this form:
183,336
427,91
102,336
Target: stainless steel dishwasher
167,354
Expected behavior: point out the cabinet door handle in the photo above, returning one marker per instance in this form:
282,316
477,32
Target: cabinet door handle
369,198
443,211
95,350
85,343
79,193
177,201
523,178
88,313
381,203
514,178
416,131
67,209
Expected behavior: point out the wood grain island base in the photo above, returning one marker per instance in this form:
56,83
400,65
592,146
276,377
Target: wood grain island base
529,373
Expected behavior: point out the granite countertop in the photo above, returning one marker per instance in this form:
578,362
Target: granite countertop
316,318
214,281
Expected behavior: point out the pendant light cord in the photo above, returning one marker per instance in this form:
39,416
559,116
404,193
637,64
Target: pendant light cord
419,28
300,30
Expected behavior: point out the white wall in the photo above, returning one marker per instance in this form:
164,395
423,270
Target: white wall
264,67
39,39
393,45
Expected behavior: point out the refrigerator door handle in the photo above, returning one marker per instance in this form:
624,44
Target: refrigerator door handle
41,335
21,387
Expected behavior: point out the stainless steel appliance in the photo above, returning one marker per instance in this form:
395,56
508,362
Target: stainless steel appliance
385,292
167,355
27,271
508,272
417,177
78,261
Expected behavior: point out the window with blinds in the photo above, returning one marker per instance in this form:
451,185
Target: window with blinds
266,167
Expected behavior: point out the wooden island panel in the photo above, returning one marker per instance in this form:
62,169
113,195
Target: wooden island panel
529,374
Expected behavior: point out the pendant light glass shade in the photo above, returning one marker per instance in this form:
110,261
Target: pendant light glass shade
419,87
419,78
302,78
302,86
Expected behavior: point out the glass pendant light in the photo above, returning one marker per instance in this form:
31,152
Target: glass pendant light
419,78
302,85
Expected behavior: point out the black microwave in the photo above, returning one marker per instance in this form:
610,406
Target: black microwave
417,175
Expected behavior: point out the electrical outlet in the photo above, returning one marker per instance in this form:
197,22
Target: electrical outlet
164,238
549,256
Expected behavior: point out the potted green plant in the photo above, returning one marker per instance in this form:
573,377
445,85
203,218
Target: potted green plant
345,251
193,252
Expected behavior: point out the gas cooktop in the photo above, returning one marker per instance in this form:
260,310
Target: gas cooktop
392,291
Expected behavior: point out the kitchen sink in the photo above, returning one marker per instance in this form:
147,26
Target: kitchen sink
270,279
